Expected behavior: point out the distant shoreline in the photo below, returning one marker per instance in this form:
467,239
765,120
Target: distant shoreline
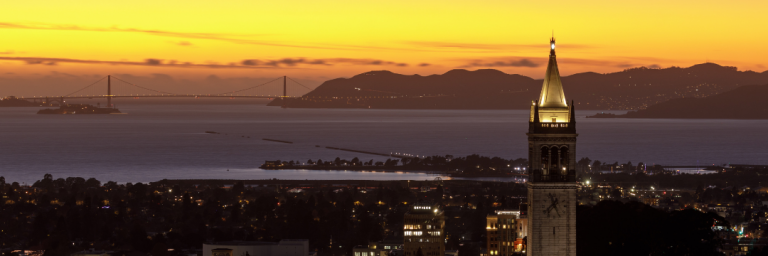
359,168
394,169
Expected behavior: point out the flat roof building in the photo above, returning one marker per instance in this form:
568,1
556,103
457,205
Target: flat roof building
423,230
506,230
286,247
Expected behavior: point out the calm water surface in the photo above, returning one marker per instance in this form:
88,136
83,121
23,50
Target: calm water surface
157,141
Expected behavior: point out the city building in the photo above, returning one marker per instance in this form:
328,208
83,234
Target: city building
423,230
388,245
552,184
93,252
506,231
368,251
382,248
286,247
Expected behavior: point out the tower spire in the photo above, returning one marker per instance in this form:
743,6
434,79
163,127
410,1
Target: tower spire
552,95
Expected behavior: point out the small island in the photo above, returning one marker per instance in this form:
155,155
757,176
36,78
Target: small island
79,109
603,115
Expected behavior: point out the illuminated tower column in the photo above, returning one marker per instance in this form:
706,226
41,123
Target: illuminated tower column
285,91
109,91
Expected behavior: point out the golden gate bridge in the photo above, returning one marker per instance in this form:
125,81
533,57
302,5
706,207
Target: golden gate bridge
119,88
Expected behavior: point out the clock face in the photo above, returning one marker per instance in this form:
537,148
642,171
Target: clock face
553,210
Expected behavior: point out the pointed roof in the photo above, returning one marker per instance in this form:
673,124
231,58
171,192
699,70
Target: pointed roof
552,95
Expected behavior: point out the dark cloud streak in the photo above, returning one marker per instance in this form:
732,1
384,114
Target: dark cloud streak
210,36
324,62
489,47
237,39
528,62
147,62
510,63
245,64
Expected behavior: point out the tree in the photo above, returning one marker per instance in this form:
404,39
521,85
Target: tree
160,249
46,183
583,163
238,188
234,212
653,231
616,194
419,252
138,238
439,191
92,183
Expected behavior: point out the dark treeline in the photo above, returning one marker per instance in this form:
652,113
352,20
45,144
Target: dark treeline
471,164
62,216
737,177
633,228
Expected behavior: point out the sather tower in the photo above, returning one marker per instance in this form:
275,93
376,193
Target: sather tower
551,168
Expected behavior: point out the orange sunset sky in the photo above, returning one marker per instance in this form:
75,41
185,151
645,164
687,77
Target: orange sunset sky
51,47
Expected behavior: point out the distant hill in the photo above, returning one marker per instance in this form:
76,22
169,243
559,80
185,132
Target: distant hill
745,102
631,89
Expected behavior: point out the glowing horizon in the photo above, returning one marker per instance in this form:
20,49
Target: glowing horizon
321,40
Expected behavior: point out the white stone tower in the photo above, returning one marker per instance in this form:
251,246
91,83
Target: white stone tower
552,169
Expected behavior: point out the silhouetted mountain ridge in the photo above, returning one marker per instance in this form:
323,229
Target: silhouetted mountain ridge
630,89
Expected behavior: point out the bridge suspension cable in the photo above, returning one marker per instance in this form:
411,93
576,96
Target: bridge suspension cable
297,82
86,86
233,92
148,89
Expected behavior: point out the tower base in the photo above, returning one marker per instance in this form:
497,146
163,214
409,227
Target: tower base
552,218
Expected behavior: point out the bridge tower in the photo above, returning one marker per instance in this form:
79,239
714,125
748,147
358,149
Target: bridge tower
109,91
285,92
552,182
